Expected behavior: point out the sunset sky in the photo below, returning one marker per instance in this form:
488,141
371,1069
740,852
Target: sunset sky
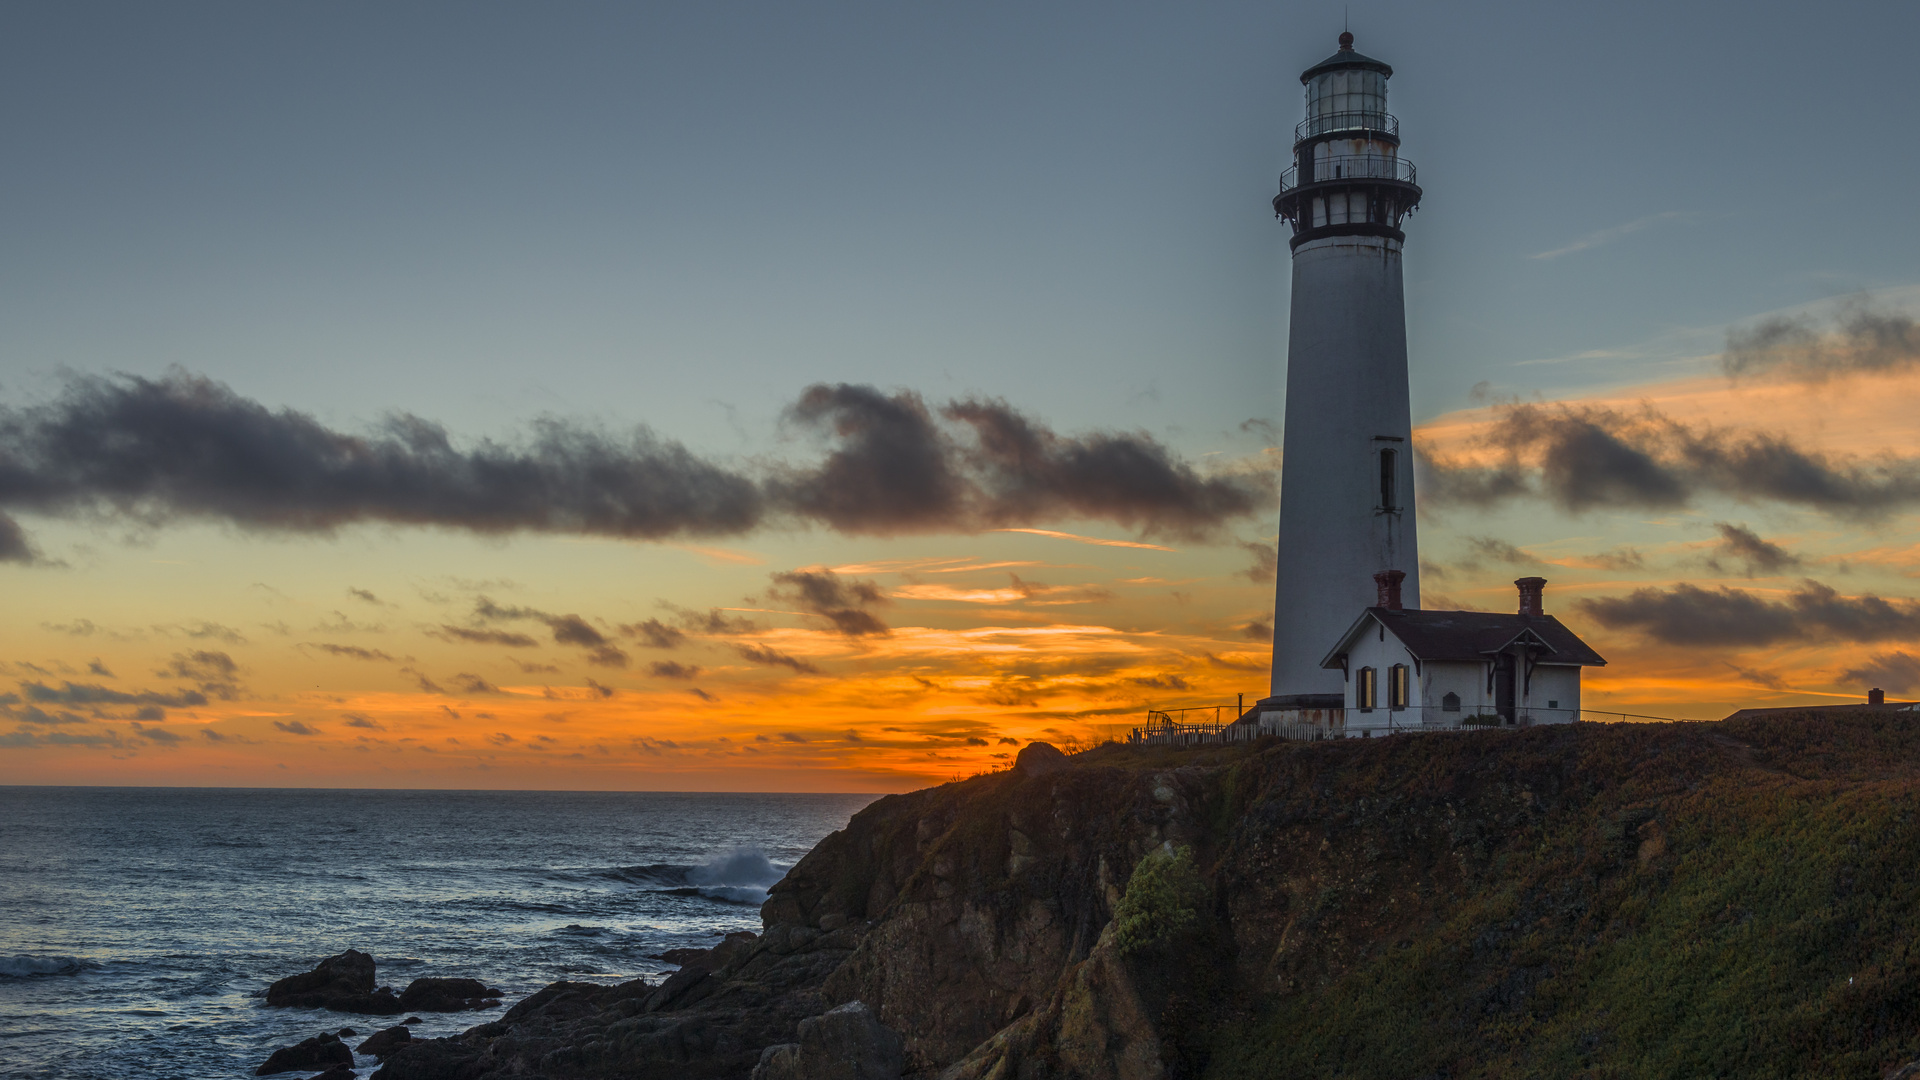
834,397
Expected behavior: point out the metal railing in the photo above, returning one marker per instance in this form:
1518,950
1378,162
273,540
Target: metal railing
1353,120
1353,167
1170,727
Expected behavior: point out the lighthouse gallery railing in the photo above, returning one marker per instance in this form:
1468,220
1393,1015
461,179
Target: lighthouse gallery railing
1353,167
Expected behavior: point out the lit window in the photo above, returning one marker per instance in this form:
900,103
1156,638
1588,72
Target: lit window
1366,689
1399,687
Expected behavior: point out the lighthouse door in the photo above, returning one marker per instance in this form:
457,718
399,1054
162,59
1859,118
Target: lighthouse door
1504,671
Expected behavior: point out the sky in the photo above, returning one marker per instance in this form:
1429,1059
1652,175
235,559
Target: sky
763,396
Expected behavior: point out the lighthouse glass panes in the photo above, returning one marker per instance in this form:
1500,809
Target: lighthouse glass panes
1389,471
1347,98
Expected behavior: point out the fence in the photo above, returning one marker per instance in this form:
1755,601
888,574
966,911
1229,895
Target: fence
1172,727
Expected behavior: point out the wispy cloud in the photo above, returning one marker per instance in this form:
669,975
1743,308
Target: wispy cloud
1088,539
1609,235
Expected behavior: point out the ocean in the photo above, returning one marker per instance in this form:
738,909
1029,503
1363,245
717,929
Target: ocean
138,926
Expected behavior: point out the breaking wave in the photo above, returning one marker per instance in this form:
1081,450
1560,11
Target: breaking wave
738,875
22,966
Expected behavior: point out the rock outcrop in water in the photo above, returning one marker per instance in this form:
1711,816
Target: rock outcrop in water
323,1051
1728,899
345,983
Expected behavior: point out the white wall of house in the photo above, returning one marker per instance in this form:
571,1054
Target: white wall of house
1554,696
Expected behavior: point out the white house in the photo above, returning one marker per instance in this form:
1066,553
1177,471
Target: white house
1408,669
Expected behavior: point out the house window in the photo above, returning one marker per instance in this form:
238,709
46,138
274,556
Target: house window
1450,703
1388,471
1366,689
1399,687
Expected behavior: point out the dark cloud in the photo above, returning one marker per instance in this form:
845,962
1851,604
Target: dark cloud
183,447
841,601
359,721
363,594
1266,562
603,691
464,683
78,627
1258,630
655,634
1024,472
484,637
533,669
14,546
702,695
1742,545
1619,558
1591,457
216,672
95,694
352,652
296,727
713,622
1895,671
186,447
32,714
1690,615
1861,340
95,667
1487,547
608,656
1161,682
420,679
773,658
159,735
668,669
23,737
574,630
567,629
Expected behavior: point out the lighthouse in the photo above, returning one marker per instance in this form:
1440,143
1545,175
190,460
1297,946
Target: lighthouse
1346,494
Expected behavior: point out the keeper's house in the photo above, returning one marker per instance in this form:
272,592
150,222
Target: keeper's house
1427,670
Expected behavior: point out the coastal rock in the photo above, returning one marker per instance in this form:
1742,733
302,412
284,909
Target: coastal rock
319,1052
338,1072
345,977
1039,759
345,983
447,995
384,1042
683,957
847,1043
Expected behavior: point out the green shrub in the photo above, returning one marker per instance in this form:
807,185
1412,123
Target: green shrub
1163,898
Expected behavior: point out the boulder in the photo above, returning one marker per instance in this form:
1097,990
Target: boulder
384,1042
683,957
847,1043
320,1052
1039,759
337,978
338,1072
447,995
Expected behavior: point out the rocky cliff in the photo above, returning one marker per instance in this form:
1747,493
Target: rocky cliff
1738,899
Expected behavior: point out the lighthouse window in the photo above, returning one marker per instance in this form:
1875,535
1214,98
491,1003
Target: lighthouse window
1387,475
1399,688
1366,689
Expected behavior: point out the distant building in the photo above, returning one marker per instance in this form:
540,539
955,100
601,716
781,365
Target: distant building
1876,701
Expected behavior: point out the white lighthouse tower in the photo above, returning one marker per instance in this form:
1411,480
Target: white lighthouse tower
1346,495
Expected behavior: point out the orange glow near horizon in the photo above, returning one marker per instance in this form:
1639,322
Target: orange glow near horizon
201,656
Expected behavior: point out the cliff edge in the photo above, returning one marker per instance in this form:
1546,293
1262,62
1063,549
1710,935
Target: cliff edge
1672,900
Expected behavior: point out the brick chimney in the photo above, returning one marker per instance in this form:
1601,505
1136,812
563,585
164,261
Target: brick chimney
1388,582
1530,590
1876,696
